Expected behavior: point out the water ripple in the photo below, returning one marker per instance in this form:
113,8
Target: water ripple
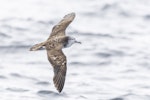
106,35
2,77
50,93
3,35
17,90
22,76
117,98
43,83
103,54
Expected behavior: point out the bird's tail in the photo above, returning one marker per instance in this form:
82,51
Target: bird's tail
37,46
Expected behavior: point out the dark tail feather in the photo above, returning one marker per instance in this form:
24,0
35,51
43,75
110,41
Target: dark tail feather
37,46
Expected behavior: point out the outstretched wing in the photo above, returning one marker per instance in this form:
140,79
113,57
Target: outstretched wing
58,61
60,28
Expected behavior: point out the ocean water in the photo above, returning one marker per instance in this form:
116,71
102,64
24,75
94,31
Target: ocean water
112,63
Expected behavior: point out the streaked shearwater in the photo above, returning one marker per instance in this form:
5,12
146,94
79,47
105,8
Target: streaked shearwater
54,45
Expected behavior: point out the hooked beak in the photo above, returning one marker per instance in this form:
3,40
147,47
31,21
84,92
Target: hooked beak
77,42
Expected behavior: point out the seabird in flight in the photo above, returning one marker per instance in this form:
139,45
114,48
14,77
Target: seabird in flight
54,45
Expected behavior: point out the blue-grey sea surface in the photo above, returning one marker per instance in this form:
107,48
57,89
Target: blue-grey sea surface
112,63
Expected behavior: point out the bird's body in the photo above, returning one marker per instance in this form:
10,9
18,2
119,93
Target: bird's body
54,45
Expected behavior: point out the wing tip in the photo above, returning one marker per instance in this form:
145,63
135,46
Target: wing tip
73,14
59,89
70,16
59,82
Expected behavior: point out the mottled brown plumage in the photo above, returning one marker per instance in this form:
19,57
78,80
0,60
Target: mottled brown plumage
54,44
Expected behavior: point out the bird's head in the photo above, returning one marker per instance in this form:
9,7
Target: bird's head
71,41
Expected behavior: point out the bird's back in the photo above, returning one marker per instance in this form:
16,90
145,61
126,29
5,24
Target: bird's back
56,43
